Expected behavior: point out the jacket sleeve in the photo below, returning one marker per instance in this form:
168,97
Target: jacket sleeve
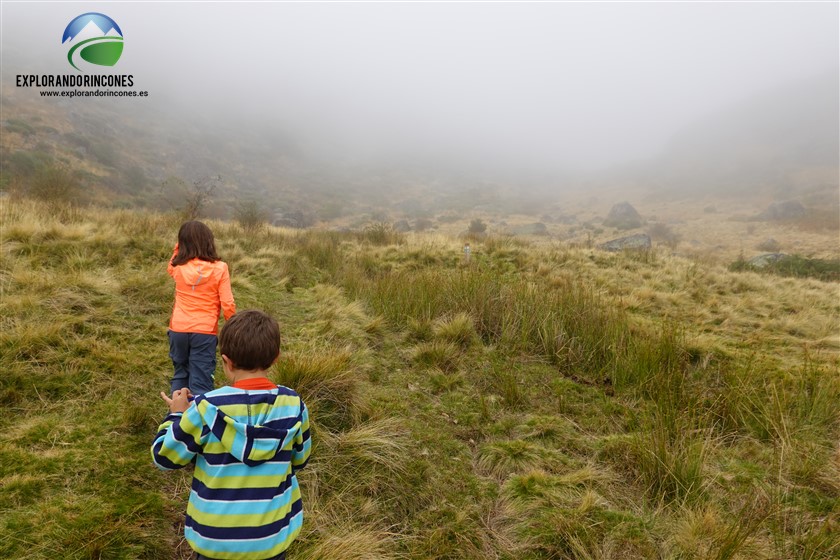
178,440
169,268
226,294
303,443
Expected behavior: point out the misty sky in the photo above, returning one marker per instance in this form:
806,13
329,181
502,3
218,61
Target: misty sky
560,84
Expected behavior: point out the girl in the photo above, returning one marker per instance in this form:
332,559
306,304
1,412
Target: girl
202,289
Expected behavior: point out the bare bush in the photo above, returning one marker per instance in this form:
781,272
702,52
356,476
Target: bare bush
250,217
57,185
191,199
664,234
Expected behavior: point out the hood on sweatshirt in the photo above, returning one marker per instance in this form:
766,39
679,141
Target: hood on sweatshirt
252,444
195,272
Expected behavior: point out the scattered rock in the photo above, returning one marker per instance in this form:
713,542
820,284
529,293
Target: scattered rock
296,219
623,216
769,244
767,259
781,211
637,242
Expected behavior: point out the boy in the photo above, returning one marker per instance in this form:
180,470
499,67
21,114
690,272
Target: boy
248,440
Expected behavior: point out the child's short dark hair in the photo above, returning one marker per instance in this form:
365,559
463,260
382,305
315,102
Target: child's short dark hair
251,339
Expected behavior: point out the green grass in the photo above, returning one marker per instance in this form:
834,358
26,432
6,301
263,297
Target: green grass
496,411
827,270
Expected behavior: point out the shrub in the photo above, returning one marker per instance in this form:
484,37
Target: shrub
190,199
105,153
134,178
477,227
25,164
827,270
250,217
20,126
57,185
381,233
664,234
422,224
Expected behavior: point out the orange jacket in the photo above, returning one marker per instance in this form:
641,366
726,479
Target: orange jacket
202,289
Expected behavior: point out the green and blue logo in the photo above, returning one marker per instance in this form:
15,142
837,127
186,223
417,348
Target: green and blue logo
93,38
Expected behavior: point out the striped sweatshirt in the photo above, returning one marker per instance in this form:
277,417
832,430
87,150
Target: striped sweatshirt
245,501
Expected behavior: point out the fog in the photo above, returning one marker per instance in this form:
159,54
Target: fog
559,87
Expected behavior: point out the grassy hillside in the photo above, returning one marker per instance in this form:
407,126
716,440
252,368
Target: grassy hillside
539,402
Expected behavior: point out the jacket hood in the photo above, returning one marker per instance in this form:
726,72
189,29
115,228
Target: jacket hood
249,443
196,271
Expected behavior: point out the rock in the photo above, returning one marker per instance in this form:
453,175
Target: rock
767,259
637,242
623,216
781,211
769,244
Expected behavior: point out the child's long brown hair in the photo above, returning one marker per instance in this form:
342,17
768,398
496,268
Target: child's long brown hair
195,240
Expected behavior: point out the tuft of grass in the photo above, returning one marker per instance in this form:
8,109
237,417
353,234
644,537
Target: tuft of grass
443,382
506,384
376,443
458,329
372,455
437,354
703,533
345,539
502,458
419,330
325,380
670,462
320,250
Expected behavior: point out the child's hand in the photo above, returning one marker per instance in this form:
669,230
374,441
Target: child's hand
179,401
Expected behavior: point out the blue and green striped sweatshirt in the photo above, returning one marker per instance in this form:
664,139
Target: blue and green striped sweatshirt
245,501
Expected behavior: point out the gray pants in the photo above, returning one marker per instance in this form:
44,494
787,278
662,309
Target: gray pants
194,358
